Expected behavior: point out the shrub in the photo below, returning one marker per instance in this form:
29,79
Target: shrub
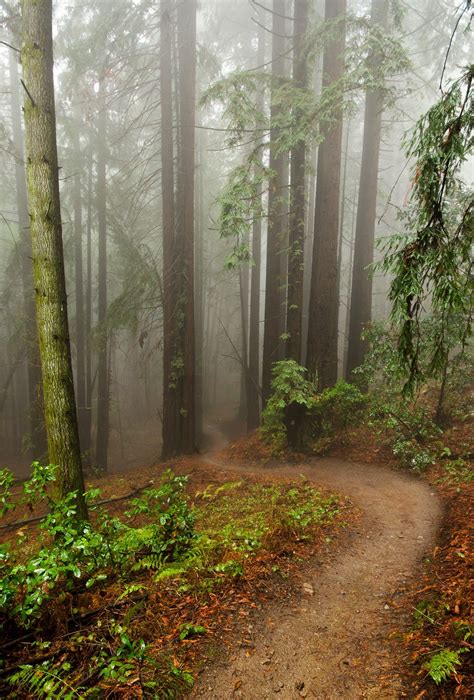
75,555
291,391
296,414
336,408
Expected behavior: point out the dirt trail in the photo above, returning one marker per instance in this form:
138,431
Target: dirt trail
332,642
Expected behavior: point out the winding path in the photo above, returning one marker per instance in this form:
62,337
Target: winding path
332,642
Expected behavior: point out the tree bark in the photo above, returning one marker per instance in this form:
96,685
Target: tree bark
275,214
37,431
170,446
86,430
284,253
244,321
179,416
102,369
186,14
321,356
79,284
297,199
253,393
47,250
361,294
199,289
350,268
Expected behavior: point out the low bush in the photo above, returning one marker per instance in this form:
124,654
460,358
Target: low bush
292,397
299,417
110,607
74,555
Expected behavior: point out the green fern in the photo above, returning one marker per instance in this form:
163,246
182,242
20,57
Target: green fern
149,561
44,682
170,572
442,665
132,588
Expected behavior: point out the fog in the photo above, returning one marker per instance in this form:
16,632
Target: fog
109,112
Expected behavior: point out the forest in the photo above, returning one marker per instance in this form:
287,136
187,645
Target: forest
236,365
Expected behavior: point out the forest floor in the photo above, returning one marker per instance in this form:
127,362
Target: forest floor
331,618
338,638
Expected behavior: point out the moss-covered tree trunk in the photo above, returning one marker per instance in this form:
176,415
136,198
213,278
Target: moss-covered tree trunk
47,249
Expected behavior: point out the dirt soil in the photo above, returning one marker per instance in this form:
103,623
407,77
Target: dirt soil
339,640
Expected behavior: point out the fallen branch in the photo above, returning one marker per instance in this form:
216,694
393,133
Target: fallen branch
30,662
77,619
38,518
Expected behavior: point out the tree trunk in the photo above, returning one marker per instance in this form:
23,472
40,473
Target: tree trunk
199,289
102,370
343,309
179,416
321,356
297,199
350,268
275,214
253,393
37,432
86,429
284,254
170,446
186,14
361,295
79,285
308,249
47,250
244,320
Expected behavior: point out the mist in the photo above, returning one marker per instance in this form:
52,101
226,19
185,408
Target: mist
111,63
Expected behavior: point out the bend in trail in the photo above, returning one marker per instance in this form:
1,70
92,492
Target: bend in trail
333,642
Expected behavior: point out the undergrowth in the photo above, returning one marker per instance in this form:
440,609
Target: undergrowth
111,607
441,638
300,417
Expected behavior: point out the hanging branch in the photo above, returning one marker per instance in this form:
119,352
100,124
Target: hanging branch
433,260
448,51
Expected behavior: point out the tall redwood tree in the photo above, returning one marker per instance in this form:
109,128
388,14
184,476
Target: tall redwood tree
361,294
321,356
297,199
271,336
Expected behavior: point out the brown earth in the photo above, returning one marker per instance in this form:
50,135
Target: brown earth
339,637
339,640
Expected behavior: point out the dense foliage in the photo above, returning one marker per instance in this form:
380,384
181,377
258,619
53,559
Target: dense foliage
74,555
298,114
431,263
127,565
320,416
